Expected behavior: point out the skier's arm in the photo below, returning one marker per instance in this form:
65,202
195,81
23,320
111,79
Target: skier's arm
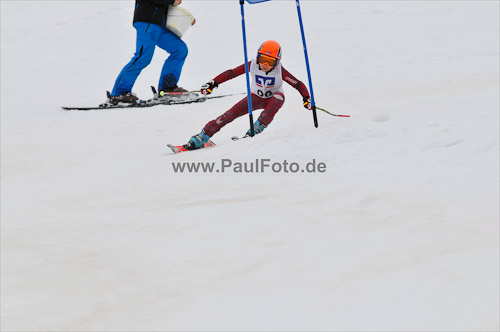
230,74
208,87
290,79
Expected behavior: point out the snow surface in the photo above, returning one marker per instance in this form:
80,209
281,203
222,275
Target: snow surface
401,233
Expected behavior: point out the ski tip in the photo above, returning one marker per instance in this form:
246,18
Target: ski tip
176,149
237,138
65,108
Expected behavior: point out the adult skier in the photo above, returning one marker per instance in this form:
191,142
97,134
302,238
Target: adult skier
150,17
267,75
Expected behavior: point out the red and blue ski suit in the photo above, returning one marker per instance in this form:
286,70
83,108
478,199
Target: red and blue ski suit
271,105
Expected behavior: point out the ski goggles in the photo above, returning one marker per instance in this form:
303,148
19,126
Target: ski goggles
265,59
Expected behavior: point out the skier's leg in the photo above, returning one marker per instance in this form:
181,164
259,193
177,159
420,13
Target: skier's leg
241,108
147,36
273,105
211,128
172,68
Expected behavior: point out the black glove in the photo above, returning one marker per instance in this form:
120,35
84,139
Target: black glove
209,87
307,103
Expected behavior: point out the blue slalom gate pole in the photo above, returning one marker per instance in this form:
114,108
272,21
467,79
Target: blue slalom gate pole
315,117
247,69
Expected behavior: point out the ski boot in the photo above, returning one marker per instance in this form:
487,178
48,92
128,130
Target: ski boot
125,97
175,88
197,141
172,95
257,129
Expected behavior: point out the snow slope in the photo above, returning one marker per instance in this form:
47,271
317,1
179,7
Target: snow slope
400,233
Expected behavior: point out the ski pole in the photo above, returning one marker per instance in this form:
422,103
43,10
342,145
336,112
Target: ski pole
228,95
339,115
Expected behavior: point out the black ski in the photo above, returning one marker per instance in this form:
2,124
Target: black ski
171,99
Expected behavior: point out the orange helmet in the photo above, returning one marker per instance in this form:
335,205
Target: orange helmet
270,53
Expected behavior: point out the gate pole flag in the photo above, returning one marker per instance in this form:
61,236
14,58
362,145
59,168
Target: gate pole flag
247,70
315,117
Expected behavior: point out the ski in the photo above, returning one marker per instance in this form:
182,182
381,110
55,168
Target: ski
139,104
237,138
168,99
180,148
174,98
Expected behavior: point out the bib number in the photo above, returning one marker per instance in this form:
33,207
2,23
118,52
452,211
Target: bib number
261,93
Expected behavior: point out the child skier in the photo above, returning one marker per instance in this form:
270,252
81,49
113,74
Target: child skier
267,93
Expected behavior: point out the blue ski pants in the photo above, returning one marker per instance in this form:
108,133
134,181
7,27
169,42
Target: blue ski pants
148,37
